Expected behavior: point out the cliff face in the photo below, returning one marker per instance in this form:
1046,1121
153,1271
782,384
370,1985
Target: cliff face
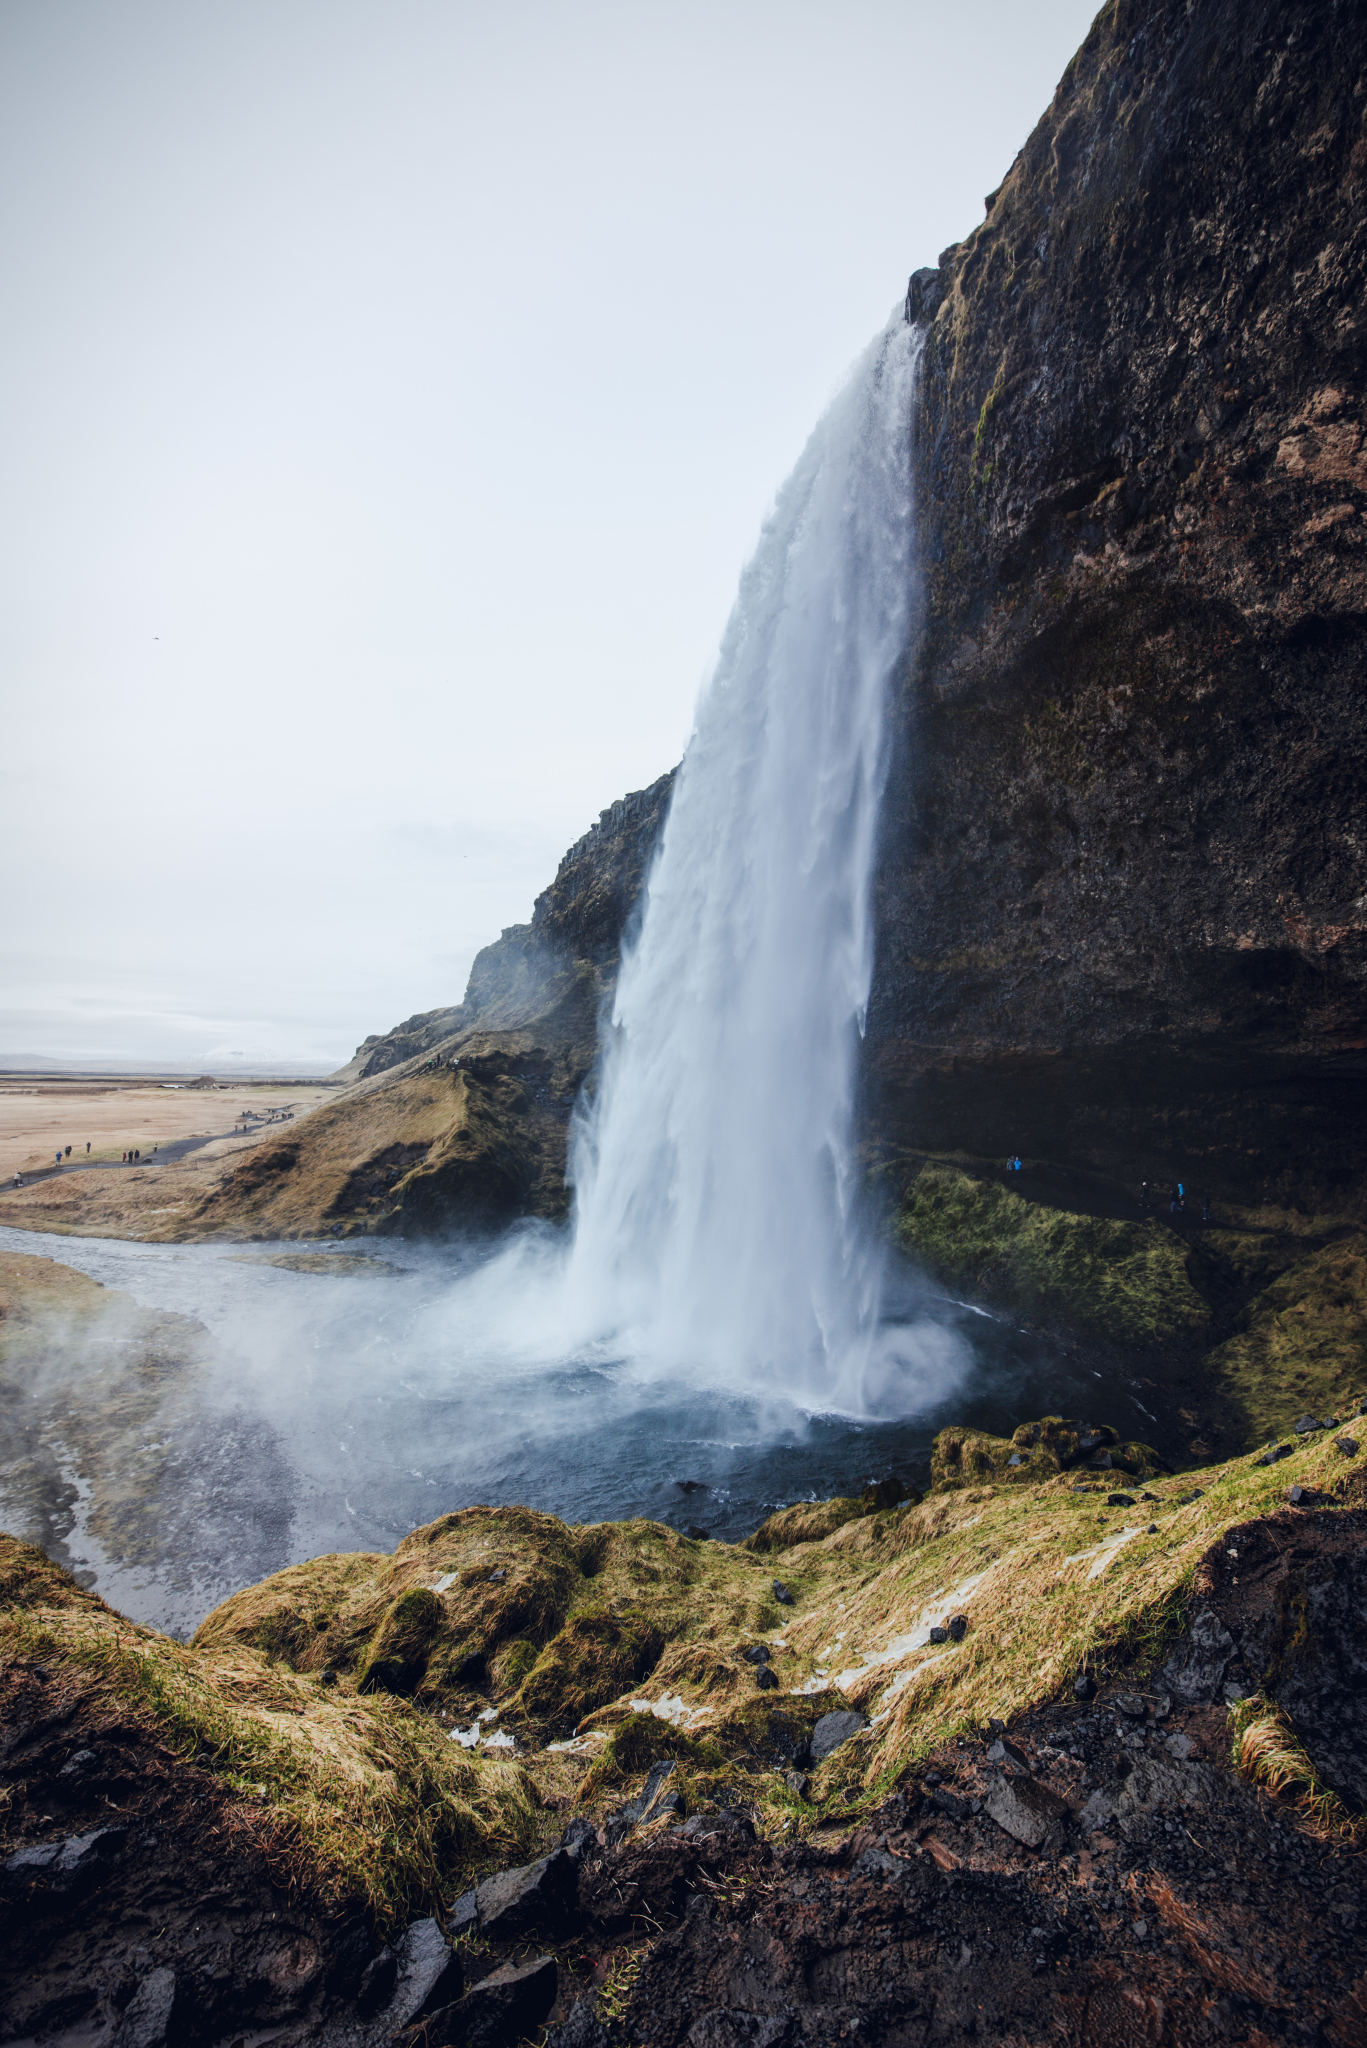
1123,892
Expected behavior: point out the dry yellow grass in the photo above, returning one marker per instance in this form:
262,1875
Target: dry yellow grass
1051,1581
366,1794
1267,1750
112,1116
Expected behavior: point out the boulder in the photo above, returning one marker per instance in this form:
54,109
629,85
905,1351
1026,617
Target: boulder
60,1868
149,2017
531,1898
498,2011
428,1975
1024,1809
1195,1672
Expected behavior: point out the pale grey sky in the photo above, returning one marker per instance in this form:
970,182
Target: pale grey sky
391,394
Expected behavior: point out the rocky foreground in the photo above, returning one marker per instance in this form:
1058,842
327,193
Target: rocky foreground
1071,1750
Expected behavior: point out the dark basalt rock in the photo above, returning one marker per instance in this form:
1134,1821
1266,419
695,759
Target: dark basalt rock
1294,1627
1119,918
503,2008
833,1729
527,1900
151,2013
429,1974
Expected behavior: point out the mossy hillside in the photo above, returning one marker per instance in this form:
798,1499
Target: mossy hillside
1301,1344
807,1522
364,1797
1036,1452
1049,1577
510,1608
1127,1282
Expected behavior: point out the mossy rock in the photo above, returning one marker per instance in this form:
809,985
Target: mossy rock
1038,1451
1128,1282
808,1522
642,1740
398,1653
1301,1344
767,1733
307,1616
591,1661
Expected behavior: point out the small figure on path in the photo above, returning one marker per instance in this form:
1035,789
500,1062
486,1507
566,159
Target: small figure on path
68,1151
59,1155
87,1148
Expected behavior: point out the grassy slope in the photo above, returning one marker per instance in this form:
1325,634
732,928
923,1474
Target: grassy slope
1301,1343
367,1785
366,1793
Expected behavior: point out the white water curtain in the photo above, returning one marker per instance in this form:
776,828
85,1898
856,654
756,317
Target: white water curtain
717,1213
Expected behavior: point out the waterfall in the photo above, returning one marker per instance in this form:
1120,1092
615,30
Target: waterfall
717,1191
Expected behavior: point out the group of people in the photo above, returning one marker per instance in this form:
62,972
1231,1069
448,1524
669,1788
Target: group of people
126,1159
1177,1194
1177,1200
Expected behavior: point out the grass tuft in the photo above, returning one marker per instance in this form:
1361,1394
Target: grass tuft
1266,1750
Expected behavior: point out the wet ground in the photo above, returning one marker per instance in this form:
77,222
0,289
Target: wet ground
347,1397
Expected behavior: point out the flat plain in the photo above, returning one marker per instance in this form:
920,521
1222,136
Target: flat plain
115,1115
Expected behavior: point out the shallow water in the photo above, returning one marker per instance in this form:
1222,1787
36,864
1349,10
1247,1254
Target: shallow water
342,1410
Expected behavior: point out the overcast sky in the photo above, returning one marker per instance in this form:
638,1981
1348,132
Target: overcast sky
391,394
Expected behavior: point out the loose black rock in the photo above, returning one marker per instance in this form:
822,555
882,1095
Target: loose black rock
833,1729
501,2009
530,1899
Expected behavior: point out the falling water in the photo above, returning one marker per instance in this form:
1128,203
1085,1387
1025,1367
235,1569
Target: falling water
718,1213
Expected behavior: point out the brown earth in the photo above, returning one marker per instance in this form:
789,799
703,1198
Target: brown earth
113,1117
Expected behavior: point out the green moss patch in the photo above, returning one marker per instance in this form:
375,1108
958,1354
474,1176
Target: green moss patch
1124,1281
397,1656
594,1658
1301,1345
